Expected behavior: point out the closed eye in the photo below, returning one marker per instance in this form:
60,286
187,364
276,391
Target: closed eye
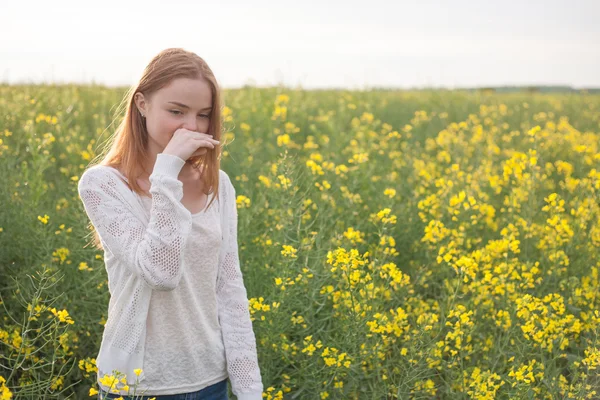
177,112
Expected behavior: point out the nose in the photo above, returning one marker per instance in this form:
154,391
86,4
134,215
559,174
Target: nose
191,123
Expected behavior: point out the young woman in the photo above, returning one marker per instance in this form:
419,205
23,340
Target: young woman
165,215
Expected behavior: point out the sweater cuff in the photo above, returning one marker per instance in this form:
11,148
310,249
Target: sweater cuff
168,164
249,396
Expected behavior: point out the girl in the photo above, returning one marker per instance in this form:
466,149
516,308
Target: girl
165,215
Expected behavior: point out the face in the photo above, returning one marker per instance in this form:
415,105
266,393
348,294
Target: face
184,103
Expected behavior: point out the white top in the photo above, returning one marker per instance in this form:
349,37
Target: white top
147,257
184,347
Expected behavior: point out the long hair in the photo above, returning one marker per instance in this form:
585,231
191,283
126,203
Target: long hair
127,147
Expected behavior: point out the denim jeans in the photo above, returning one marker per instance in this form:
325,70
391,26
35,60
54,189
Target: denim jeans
217,391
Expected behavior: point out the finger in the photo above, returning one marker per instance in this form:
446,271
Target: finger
208,138
207,143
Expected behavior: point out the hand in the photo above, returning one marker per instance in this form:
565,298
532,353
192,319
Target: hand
186,144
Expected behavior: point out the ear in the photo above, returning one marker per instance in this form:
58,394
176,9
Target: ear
141,103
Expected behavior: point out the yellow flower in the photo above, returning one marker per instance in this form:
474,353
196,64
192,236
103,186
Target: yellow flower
108,380
389,192
242,201
63,315
283,140
282,98
289,251
5,393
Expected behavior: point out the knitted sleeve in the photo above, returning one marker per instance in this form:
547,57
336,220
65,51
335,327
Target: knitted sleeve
234,315
153,252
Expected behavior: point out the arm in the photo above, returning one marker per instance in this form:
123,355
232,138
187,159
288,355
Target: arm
234,316
155,252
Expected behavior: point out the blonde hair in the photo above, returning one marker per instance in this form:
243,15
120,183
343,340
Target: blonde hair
127,146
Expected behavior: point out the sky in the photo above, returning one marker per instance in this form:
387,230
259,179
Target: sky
309,44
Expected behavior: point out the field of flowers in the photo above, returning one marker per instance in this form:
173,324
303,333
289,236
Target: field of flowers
394,245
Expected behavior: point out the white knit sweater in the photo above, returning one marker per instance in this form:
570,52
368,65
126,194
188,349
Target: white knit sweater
145,253
184,344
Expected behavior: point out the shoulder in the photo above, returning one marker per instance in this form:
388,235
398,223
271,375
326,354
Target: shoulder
225,181
93,173
227,189
97,175
223,176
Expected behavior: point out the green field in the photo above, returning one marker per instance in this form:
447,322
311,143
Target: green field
394,244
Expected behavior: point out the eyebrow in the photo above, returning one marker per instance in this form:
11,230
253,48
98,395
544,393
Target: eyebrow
184,106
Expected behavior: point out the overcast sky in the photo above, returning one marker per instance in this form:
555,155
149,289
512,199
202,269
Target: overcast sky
308,43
